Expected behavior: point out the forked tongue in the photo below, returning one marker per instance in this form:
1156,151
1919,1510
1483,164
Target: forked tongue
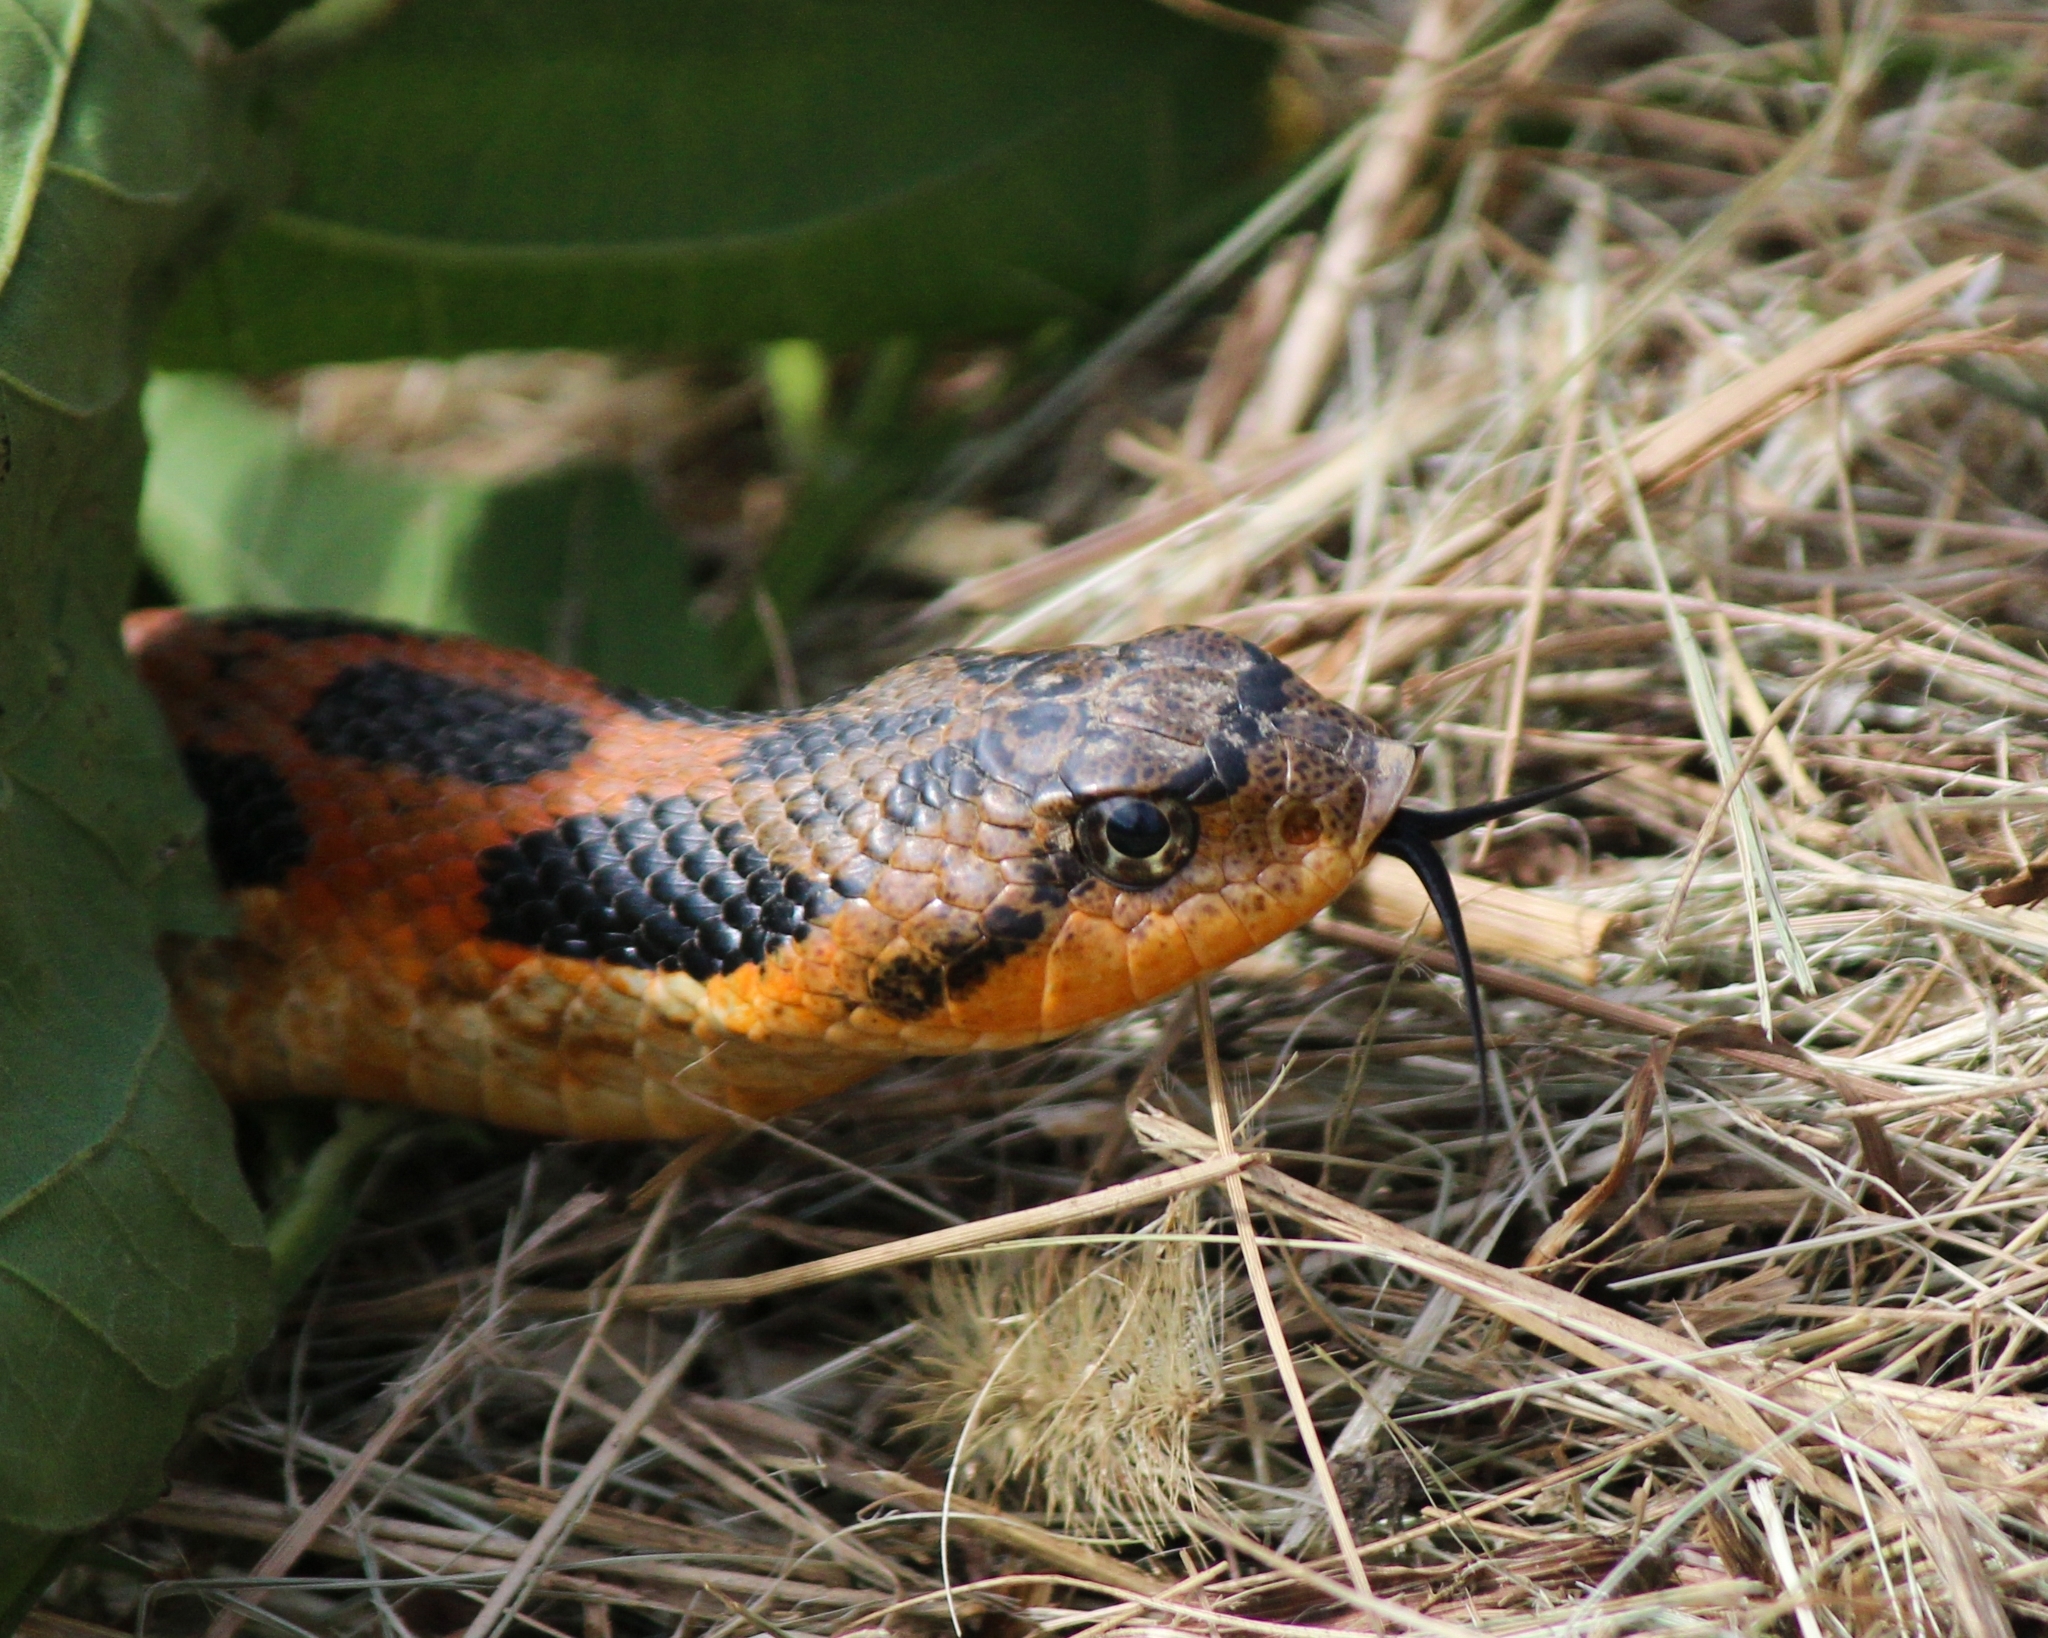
1411,836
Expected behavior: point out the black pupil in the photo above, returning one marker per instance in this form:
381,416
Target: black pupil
1135,829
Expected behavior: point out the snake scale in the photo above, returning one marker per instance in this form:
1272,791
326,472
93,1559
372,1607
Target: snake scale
478,882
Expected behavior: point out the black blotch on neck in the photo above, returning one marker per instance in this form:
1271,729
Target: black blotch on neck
649,886
254,834
392,715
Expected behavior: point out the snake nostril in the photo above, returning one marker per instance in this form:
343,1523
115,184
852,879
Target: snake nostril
1297,823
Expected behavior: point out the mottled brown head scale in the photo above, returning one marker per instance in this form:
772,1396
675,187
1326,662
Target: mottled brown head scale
1196,713
1022,844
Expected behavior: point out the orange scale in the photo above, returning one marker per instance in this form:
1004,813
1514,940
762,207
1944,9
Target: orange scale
847,974
1302,890
1241,864
943,929
860,930
469,968
1331,867
1264,916
459,802
1129,909
416,888
352,876
327,822
734,1002
442,927
405,965
787,1011
437,840
818,971
374,825
1160,957
560,796
1212,930
1087,976
870,1027
503,954
455,877
901,894
969,881
1009,1000
318,907
510,817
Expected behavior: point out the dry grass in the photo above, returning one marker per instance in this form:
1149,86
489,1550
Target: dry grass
1080,1380
1708,447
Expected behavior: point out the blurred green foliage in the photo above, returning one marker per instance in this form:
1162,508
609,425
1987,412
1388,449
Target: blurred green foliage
479,174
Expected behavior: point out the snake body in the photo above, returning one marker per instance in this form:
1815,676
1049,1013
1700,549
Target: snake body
475,881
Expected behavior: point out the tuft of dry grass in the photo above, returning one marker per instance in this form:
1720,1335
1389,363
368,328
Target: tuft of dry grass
1685,415
1081,1381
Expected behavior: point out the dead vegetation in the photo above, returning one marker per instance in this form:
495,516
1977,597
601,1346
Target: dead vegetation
1662,396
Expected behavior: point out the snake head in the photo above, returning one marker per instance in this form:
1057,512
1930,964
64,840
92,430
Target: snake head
1024,844
1189,800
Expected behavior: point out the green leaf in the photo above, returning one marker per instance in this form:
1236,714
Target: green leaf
238,510
576,564
669,173
133,1276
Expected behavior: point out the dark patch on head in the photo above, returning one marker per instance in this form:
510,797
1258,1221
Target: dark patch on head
398,715
907,987
916,984
311,627
656,709
1220,773
1264,686
648,886
1180,711
253,831
1005,933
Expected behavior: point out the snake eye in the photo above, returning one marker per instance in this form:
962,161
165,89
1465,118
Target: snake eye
1135,841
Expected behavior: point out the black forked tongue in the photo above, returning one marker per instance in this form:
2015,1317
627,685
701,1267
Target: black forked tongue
1411,836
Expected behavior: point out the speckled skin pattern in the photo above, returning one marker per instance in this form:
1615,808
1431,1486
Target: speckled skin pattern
478,882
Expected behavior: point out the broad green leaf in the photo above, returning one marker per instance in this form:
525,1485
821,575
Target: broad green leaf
142,137
576,564
238,510
133,1278
664,173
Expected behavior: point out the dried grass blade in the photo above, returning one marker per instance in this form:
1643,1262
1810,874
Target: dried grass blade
1579,265
916,1248
1758,882
1262,1293
1945,1531
451,1355
1874,31
503,1604
1309,344
1645,1087
1759,745
1791,1582
675,1172
1711,1396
